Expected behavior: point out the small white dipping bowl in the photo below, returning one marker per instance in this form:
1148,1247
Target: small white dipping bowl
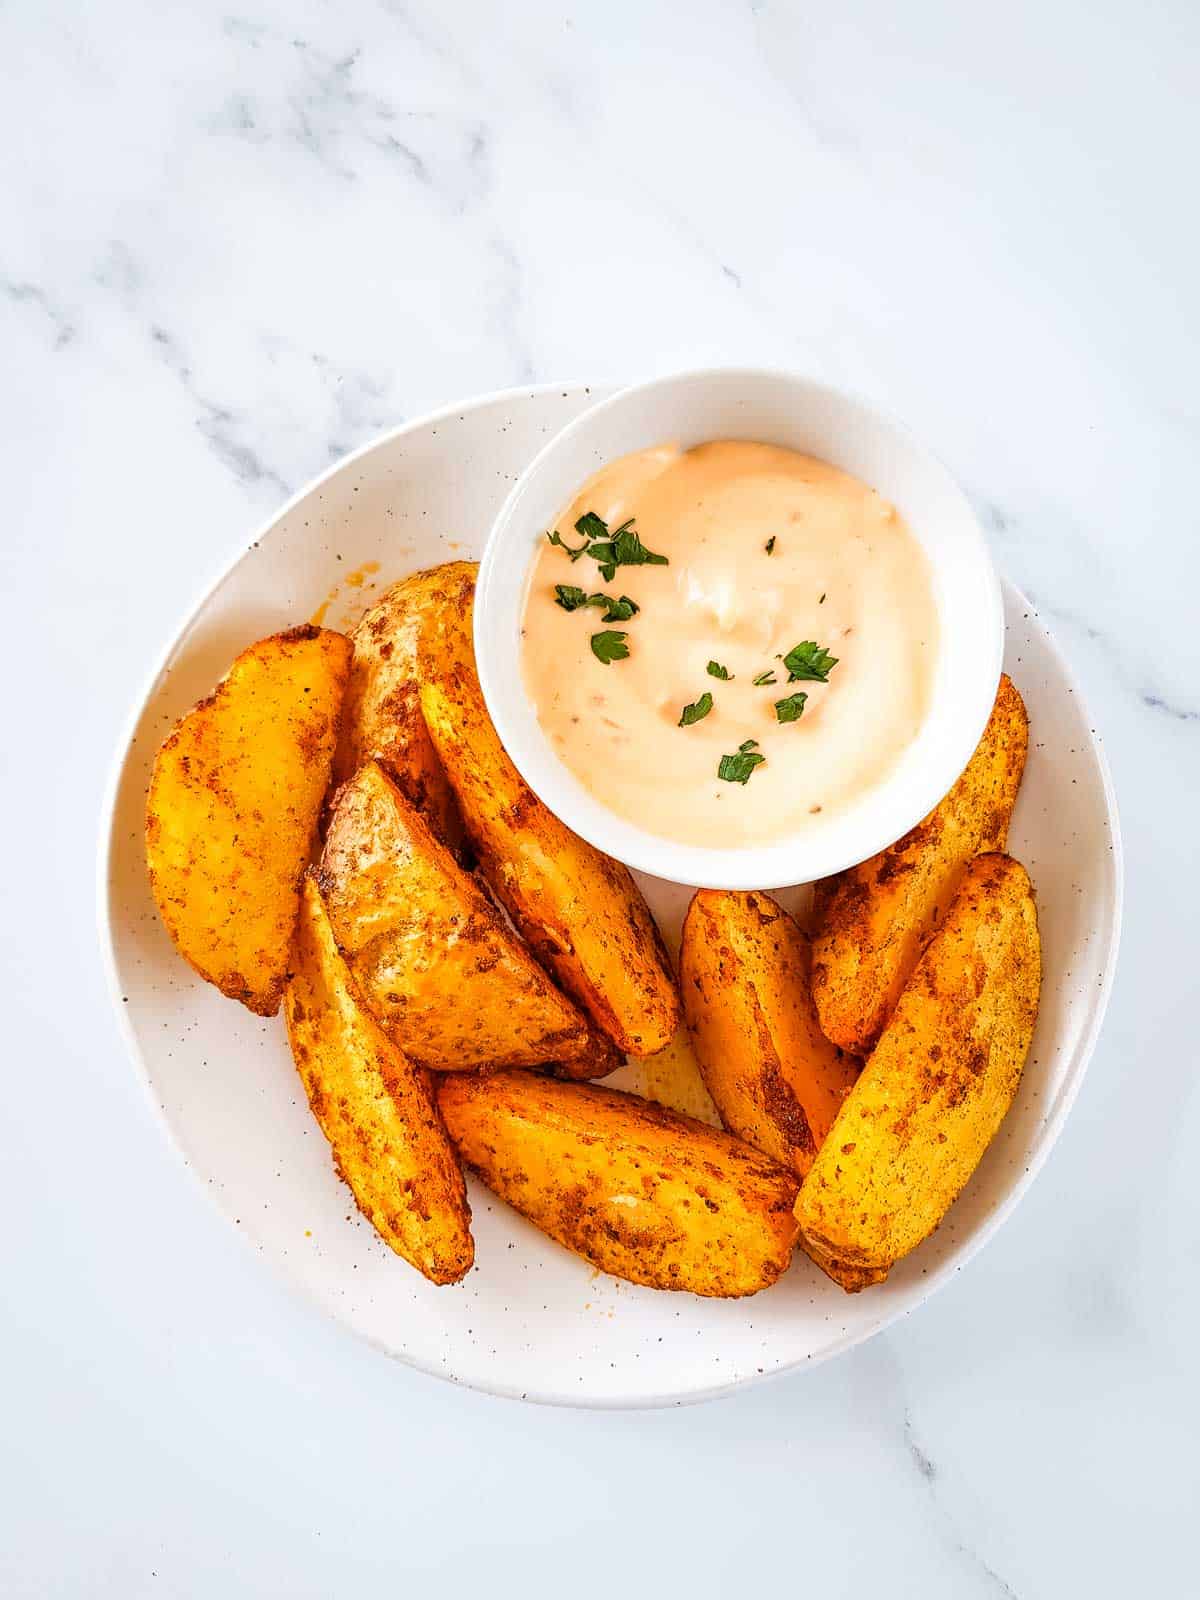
777,408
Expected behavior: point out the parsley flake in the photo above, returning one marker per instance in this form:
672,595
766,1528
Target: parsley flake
623,548
763,678
790,710
609,646
770,545
697,711
809,662
716,670
570,599
737,768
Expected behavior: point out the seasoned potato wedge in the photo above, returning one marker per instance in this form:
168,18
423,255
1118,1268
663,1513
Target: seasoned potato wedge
376,1109
382,719
928,1102
233,806
872,921
744,977
433,961
639,1191
581,912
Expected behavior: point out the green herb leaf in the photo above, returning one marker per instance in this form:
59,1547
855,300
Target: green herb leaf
609,646
591,526
737,768
570,599
763,678
622,549
556,538
809,662
697,711
631,552
716,670
790,710
770,545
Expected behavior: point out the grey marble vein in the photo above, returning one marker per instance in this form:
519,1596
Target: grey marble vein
50,314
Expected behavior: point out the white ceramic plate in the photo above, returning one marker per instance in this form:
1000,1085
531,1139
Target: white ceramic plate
532,1320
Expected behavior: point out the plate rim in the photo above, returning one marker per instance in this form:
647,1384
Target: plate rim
302,1292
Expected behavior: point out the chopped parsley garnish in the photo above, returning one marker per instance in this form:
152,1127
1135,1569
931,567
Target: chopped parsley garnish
570,599
716,670
697,711
556,538
737,768
591,526
609,646
790,710
770,545
809,662
763,678
623,548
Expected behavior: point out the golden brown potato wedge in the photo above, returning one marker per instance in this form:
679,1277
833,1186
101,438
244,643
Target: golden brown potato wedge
376,1109
382,720
433,960
744,977
233,806
928,1102
873,921
581,912
639,1191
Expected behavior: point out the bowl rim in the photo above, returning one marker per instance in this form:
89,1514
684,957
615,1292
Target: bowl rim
303,1294
775,864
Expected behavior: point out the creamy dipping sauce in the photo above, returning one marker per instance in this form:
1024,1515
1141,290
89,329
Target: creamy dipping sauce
843,578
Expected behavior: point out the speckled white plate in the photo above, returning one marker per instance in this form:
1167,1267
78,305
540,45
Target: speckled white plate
532,1320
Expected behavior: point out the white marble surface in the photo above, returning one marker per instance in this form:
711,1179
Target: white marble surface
235,243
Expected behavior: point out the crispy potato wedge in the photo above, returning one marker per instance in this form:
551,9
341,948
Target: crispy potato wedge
433,960
744,977
581,912
376,1109
382,719
872,921
232,810
928,1102
637,1190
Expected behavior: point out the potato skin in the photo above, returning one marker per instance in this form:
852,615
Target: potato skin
232,810
434,963
940,1082
581,912
773,1075
635,1189
382,720
376,1109
872,922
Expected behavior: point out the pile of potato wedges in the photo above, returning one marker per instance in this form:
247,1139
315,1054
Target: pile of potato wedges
338,830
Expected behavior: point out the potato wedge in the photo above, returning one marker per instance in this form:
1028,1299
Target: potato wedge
382,719
637,1190
376,1109
872,921
581,912
744,977
434,962
232,810
928,1102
